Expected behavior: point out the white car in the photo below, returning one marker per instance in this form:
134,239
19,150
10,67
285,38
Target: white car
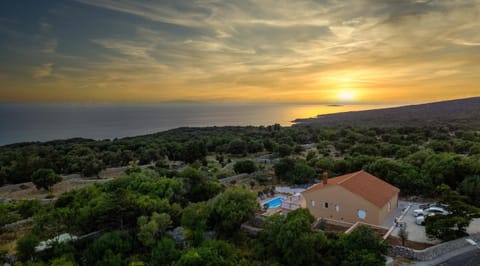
427,211
420,220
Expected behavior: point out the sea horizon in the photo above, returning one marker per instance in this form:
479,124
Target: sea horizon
32,122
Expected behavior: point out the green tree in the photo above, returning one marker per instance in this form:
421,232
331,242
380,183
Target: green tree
360,247
244,166
63,261
200,188
193,150
471,187
301,173
151,229
213,253
164,252
45,178
194,220
292,241
111,247
237,146
91,166
26,247
284,150
284,166
453,225
133,168
231,208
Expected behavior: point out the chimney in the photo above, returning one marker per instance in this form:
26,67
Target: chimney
325,177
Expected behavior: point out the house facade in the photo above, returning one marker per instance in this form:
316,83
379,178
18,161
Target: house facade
353,197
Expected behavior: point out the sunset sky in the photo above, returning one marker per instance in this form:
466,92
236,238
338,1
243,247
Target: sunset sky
357,51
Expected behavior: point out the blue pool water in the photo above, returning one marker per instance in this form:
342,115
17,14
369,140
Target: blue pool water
274,203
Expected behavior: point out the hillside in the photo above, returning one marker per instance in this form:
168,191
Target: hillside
461,112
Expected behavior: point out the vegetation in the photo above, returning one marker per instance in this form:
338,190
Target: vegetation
454,112
136,219
245,166
453,225
45,178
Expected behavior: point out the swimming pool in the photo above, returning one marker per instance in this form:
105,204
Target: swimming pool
274,203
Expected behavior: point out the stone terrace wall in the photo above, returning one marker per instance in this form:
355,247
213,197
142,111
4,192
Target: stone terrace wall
230,179
432,252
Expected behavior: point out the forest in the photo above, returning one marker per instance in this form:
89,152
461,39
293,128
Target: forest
134,219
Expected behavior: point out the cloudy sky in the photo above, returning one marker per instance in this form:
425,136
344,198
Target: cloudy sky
325,51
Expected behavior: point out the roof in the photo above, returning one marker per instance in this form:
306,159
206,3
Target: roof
363,184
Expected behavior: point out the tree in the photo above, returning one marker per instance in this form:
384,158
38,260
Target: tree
284,166
91,166
471,187
244,166
193,150
151,228
111,247
284,150
164,252
26,247
453,225
133,168
291,239
199,187
294,171
213,252
301,173
231,208
45,178
403,234
63,261
194,220
237,146
360,247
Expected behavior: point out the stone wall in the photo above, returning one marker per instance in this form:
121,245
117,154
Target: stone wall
230,179
432,252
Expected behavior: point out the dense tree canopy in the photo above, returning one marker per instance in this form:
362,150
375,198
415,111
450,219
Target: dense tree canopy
45,178
167,212
245,166
233,207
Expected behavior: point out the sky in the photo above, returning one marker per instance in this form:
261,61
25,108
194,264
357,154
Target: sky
325,51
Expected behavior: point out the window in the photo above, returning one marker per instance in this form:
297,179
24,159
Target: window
389,206
337,208
325,205
312,203
362,214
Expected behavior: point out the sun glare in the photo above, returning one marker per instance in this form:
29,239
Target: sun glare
346,96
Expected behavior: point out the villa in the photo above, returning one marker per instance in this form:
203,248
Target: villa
353,197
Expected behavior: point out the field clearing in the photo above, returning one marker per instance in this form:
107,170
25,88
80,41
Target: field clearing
27,190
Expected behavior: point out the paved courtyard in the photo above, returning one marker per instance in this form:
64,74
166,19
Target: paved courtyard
415,232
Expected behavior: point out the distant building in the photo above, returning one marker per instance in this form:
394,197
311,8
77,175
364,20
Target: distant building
353,197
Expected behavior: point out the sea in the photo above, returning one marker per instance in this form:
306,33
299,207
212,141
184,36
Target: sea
43,122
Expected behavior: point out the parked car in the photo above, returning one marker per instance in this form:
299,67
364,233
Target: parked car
435,210
428,205
420,220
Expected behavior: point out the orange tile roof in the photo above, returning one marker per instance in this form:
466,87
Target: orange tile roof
363,184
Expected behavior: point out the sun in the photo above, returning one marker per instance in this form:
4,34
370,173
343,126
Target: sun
346,95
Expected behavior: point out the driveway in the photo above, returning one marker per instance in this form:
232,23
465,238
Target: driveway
415,232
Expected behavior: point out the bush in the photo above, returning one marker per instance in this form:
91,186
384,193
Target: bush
26,247
45,178
245,166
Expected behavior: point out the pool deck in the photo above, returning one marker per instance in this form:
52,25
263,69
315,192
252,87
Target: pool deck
274,210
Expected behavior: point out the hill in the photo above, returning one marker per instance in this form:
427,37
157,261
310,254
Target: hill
461,112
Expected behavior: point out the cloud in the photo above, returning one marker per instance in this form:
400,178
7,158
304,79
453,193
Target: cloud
43,71
50,45
264,49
